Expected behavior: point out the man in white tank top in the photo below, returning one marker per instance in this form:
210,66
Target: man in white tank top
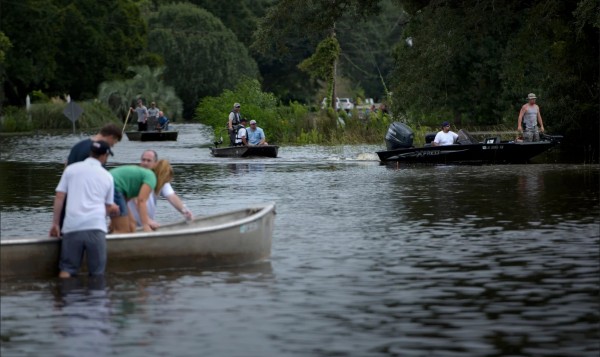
529,117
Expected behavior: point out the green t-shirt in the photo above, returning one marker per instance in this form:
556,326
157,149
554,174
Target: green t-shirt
129,179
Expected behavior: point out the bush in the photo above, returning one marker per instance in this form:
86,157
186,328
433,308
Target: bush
45,116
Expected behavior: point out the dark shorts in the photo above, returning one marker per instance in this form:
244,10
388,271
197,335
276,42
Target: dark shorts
121,201
74,244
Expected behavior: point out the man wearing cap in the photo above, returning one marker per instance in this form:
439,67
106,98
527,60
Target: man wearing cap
529,117
234,121
256,136
90,199
241,136
445,136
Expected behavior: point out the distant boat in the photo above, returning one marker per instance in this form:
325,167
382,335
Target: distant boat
152,135
245,151
468,150
236,237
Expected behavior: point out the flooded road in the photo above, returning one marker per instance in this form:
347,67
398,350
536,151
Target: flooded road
367,259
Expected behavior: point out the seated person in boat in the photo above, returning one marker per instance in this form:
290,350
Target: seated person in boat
163,122
135,182
90,188
256,136
241,136
150,161
445,136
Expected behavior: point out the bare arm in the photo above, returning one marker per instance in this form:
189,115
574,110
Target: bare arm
539,118
176,202
142,199
520,120
59,202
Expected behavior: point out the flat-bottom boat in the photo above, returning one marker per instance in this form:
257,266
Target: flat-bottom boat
245,151
152,135
227,239
467,151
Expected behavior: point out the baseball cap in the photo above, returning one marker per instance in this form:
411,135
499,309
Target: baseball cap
243,119
445,124
236,105
252,121
101,147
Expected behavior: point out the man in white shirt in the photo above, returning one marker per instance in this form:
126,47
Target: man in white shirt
445,136
148,161
90,199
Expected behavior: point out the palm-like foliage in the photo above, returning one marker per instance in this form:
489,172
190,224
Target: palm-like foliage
146,84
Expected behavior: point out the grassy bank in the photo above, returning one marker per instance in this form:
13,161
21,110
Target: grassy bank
49,116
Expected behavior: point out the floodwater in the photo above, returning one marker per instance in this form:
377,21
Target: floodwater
367,259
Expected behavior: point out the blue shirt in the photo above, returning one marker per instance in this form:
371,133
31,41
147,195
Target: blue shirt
255,136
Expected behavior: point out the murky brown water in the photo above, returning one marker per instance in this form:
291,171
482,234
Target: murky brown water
367,260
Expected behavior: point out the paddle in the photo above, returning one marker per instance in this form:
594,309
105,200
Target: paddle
126,119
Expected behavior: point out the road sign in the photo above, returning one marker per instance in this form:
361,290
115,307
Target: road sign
73,112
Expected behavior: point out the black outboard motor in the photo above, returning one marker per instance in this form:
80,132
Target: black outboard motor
399,136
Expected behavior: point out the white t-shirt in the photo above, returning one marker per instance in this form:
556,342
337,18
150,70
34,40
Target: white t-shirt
165,191
89,188
448,138
240,134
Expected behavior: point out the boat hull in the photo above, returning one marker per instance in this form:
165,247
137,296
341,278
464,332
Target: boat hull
246,151
481,153
231,238
152,135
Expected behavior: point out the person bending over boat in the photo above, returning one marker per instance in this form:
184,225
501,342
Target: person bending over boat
529,117
135,182
256,136
90,200
445,136
150,161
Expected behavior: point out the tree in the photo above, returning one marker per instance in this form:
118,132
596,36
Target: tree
146,84
69,46
202,56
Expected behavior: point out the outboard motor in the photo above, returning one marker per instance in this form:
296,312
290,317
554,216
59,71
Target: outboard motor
399,136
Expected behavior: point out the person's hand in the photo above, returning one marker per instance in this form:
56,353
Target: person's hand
55,231
113,210
146,228
154,225
519,128
187,214
542,128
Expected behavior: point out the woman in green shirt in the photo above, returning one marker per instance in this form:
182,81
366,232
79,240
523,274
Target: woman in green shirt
135,182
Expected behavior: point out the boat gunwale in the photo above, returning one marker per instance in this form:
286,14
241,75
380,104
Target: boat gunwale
263,210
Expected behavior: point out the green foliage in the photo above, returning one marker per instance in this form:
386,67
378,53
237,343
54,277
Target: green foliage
147,84
5,45
474,64
45,116
202,56
69,46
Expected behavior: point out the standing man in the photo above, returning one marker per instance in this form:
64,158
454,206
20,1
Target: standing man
149,160
234,121
256,136
109,133
153,114
445,136
529,116
90,200
142,115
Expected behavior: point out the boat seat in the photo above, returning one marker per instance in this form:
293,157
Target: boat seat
429,138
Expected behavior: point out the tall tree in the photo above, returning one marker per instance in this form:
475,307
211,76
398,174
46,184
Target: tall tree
69,46
202,56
